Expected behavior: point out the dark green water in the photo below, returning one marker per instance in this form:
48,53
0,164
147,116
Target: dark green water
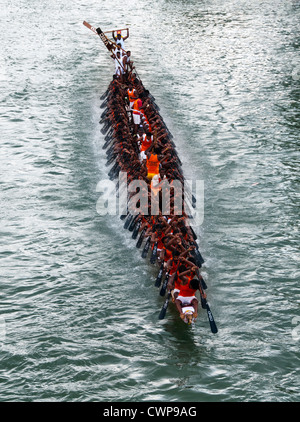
78,306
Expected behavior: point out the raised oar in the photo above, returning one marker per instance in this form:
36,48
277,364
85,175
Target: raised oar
106,41
164,308
159,276
115,30
154,254
108,44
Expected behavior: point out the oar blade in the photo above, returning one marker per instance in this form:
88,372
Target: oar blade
159,276
128,221
163,311
211,320
141,238
136,229
146,248
154,254
164,286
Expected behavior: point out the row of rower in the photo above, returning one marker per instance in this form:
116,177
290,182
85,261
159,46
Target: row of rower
140,145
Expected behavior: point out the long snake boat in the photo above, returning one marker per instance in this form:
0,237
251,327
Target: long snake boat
143,157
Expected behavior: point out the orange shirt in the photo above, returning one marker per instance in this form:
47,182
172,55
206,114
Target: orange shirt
153,164
130,95
185,290
160,245
168,255
174,268
136,106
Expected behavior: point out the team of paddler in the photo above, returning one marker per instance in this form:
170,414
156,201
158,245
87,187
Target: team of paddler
139,143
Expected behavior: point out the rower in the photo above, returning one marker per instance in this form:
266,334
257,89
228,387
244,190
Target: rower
146,143
177,276
153,163
136,114
119,38
166,253
127,63
157,236
139,136
173,262
118,65
131,92
118,49
186,297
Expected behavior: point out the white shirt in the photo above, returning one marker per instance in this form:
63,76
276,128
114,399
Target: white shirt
121,52
118,66
121,41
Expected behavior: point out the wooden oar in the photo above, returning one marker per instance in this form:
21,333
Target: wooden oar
136,229
108,137
159,276
115,30
205,305
193,233
107,42
163,311
128,221
113,170
105,145
212,323
197,255
146,248
105,129
104,95
110,160
141,238
116,172
203,284
164,286
154,254
105,112
103,105
133,222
